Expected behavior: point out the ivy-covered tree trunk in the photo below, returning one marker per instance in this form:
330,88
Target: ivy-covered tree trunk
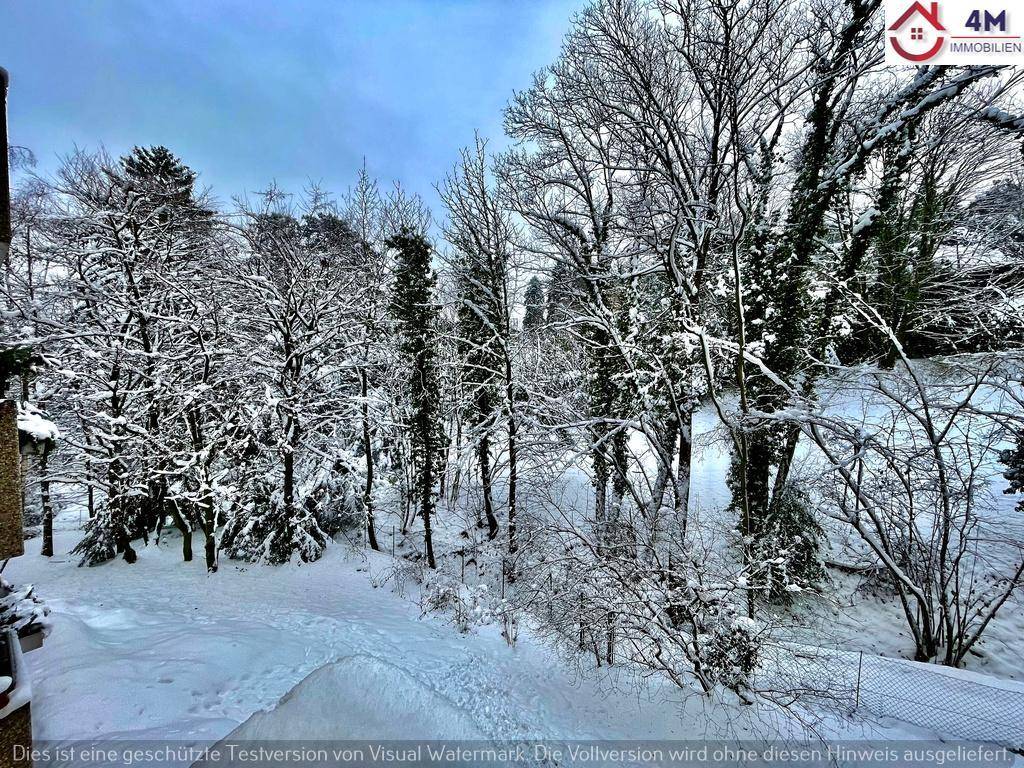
783,304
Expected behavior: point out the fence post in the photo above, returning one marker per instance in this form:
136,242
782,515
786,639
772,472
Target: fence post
860,666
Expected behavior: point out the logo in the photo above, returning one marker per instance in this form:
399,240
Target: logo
953,32
918,19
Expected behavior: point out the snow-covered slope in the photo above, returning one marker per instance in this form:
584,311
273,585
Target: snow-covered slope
160,649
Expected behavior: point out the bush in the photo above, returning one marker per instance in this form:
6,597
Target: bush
265,532
730,653
468,605
786,545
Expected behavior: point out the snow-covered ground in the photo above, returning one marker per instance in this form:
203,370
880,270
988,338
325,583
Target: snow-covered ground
162,650
848,616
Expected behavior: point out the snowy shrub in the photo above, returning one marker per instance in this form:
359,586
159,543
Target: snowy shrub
729,654
1013,460
21,609
35,429
98,544
467,606
334,494
401,576
111,532
265,531
786,547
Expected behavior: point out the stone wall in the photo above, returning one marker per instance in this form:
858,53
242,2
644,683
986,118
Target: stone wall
11,535
16,731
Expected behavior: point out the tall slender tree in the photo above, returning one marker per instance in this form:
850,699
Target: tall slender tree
416,315
481,230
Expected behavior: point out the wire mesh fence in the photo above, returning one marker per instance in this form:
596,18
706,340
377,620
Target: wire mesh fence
943,700
919,694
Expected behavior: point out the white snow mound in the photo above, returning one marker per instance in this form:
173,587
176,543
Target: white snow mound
364,698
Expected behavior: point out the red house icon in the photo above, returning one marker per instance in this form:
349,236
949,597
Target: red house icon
921,16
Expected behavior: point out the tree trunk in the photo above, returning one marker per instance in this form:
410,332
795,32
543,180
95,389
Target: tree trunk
90,491
785,464
209,525
684,471
758,480
513,479
186,534
619,477
600,496
456,483
116,508
427,497
756,494
371,532
90,494
483,453
425,423
211,552
288,489
44,495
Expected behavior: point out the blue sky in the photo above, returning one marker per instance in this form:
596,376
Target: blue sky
247,91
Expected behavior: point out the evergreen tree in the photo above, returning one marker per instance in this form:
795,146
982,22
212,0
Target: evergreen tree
416,315
566,294
534,299
163,176
1013,459
294,311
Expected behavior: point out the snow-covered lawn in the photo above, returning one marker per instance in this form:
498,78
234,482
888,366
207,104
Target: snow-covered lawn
160,649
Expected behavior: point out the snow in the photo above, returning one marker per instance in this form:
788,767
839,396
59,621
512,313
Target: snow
997,115
21,609
160,649
866,220
22,693
331,703
852,617
32,422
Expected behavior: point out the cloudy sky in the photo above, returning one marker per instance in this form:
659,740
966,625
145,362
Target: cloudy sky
249,91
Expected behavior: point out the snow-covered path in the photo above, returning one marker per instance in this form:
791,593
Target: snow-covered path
161,650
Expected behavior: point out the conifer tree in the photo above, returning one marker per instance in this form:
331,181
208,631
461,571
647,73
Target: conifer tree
1013,459
138,229
416,315
533,320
